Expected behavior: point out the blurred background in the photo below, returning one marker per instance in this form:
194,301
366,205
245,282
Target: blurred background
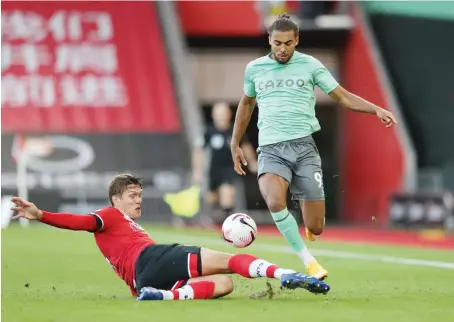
91,89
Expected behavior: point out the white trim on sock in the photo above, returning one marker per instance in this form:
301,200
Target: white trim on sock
305,256
186,293
281,271
258,268
168,295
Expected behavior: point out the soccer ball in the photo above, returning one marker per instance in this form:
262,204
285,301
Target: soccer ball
239,230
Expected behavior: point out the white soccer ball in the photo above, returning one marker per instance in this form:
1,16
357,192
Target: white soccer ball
239,230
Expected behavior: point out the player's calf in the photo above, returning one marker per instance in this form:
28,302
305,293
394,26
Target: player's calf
315,228
313,216
242,264
223,285
252,267
200,288
274,190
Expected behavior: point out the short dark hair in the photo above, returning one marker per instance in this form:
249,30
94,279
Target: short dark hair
120,182
284,23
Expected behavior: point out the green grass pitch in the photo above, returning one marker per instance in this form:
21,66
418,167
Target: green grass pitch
51,275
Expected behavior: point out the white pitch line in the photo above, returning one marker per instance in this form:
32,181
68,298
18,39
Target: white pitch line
322,252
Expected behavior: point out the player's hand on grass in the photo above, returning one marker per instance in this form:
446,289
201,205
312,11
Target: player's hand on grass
238,159
386,117
25,209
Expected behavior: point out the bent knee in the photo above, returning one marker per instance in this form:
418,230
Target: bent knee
315,229
275,201
227,285
276,205
223,286
274,190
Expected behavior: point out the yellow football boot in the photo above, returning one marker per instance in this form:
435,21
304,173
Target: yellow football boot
310,235
316,270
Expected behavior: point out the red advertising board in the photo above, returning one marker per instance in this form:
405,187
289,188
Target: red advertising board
229,18
85,67
220,18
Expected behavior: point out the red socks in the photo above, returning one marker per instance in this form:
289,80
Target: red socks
195,291
250,266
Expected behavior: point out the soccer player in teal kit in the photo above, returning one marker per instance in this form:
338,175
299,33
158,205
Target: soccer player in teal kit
282,83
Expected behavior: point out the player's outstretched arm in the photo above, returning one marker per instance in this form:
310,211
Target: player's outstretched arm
28,210
242,119
355,103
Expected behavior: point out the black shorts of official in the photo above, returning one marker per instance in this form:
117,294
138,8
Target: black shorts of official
167,267
220,176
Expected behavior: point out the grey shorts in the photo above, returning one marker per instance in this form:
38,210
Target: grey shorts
298,162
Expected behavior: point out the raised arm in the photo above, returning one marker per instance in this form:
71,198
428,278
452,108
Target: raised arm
330,86
28,210
355,103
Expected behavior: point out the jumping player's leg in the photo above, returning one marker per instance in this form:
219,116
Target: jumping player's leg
307,186
313,216
274,176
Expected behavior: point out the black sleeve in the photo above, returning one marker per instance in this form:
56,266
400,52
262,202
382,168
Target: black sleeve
99,222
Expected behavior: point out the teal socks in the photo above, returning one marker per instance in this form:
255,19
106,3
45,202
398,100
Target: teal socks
288,227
